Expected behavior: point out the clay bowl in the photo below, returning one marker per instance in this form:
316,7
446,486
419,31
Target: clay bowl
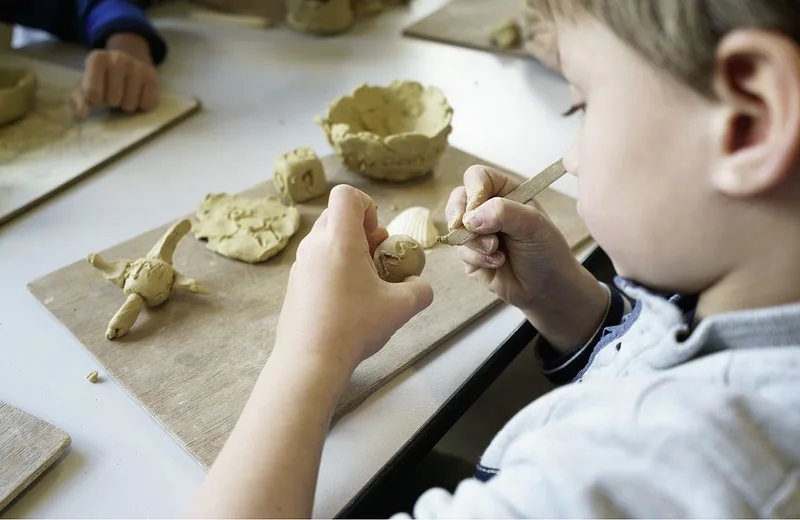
393,133
17,94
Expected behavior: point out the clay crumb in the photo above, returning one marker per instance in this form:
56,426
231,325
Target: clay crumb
507,35
93,376
393,207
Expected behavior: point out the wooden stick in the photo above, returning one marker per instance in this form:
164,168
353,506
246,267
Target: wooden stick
523,194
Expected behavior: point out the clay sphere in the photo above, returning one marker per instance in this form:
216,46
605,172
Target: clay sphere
17,94
399,257
393,133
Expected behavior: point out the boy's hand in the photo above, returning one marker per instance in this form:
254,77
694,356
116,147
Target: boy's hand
120,76
524,259
337,309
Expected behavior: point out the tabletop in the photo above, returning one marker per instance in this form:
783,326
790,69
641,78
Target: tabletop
261,90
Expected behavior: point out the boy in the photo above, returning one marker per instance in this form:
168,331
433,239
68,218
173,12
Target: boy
120,70
688,160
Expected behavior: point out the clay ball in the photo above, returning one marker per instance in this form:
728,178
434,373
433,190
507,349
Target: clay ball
399,257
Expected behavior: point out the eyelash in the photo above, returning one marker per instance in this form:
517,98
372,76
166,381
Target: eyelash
581,107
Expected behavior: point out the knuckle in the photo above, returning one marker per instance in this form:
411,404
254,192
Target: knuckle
96,57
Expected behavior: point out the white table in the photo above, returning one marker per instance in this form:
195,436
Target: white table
261,90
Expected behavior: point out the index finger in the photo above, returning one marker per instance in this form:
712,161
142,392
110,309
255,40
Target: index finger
351,213
482,183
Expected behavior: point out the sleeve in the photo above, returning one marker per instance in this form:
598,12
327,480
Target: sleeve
104,18
562,368
678,465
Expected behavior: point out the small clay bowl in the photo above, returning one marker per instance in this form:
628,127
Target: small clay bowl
17,94
393,133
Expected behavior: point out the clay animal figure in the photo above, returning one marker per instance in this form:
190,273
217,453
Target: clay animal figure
147,281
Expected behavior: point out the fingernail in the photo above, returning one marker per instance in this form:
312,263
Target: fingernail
486,243
495,259
472,220
453,222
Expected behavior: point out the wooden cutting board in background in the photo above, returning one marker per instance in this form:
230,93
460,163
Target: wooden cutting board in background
28,446
50,149
469,23
193,362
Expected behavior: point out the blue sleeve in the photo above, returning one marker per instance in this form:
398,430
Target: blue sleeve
104,18
85,21
562,368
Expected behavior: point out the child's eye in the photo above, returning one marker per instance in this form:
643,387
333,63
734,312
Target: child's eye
580,107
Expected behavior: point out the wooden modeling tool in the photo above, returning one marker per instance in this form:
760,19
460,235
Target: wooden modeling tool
523,194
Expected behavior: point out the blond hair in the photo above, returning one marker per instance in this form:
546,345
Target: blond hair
681,36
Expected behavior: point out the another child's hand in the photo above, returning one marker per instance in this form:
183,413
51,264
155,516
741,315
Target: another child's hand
519,254
337,309
121,76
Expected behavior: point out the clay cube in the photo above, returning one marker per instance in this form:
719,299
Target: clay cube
299,175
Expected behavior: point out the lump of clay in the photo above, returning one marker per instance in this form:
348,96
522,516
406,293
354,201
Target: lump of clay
147,281
399,257
416,222
299,175
371,7
393,133
17,94
507,35
323,17
250,230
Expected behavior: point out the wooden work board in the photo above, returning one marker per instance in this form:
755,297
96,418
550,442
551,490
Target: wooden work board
28,446
50,149
193,362
469,23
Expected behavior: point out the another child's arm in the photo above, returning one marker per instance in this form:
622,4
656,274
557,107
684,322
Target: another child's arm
337,312
120,70
523,258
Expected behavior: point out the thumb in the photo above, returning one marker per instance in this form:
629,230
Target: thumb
498,215
413,296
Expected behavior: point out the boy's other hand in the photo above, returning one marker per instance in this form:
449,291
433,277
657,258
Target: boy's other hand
519,254
337,310
120,76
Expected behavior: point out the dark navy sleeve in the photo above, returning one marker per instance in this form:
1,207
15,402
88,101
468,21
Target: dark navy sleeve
104,18
84,21
562,368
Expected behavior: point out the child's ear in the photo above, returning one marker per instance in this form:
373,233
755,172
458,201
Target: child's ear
757,80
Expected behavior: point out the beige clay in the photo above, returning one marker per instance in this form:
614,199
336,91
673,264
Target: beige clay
416,222
93,376
399,257
507,35
299,175
323,17
250,230
371,7
147,281
393,133
17,94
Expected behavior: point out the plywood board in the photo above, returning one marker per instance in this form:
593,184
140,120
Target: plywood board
51,149
469,23
28,446
193,362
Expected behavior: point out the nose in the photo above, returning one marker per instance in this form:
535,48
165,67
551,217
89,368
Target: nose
570,159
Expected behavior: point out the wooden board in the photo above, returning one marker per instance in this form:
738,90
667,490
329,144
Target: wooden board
193,362
469,23
28,446
50,149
